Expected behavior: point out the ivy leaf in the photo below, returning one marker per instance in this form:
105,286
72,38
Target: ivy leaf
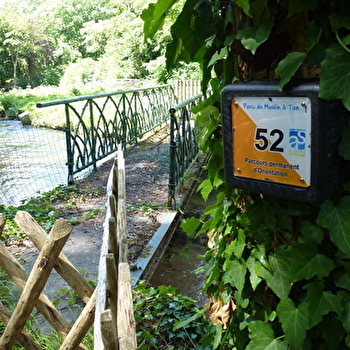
321,303
288,66
244,4
205,188
296,6
337,220
280,279
335,78
345,316
190,225
294,321
306,262
332,332
252,38
262,337
311,231
253,277
344,145
234,274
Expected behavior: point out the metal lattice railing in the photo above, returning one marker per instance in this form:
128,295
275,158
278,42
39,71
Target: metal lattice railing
183,145
97,124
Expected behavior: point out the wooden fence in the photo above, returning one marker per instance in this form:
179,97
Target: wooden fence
114,325
113,321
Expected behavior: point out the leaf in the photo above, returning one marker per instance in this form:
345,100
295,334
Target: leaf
235,272
306,262
335,77
154,16
288,66
321,302
296,6
237,246
337,220
294,322
332,332
190,225
344,145
244,4
253,277
262,337
345,315
252,38
339,20
187,321
311,232
280,279
205,188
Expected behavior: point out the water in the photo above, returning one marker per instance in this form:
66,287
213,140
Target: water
177,266
31,160
183,256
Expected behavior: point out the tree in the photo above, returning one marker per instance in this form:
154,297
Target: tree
280,268
24,44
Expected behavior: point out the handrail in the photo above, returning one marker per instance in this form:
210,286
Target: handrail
183,145
96,124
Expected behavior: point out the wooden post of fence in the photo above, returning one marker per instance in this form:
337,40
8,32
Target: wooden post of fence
81,326
63,266
126,320
44,305
114,319
24,339
36,282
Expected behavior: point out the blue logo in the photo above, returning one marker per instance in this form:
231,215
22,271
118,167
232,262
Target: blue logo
297,139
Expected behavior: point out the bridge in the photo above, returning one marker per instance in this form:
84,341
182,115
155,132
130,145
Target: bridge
96,126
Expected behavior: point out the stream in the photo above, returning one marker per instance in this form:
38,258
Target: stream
31,160
183,256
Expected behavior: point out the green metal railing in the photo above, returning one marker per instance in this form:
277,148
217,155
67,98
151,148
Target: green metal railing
96,125
183,145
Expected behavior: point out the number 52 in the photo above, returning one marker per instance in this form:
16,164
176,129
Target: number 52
261,135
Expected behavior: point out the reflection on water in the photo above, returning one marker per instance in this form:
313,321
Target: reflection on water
31,160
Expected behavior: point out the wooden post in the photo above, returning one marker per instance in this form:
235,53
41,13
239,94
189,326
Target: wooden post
44,305
126,320
81,325
2,223
108,331
36,282
24,339
112,285
63,266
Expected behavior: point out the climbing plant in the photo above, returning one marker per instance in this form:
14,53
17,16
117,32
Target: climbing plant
279,269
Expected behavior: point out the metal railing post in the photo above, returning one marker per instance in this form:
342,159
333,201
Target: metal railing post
172,160
70,155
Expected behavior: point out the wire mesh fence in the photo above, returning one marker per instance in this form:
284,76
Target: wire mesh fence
34,160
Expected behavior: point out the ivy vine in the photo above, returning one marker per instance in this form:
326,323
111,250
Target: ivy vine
284,264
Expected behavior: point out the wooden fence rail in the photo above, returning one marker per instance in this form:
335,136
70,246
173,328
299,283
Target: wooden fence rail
114,326
109,307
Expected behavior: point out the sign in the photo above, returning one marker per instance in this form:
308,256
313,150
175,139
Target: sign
282,143
272,139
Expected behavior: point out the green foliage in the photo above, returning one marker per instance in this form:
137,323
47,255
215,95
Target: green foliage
167,320
44,211
285,265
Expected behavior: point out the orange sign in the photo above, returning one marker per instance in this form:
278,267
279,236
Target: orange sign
271,139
